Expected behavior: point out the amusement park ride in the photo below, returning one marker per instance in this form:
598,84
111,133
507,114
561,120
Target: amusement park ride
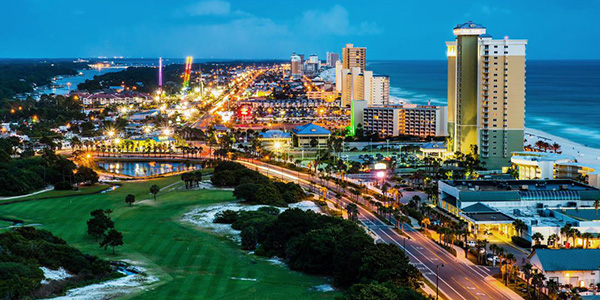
187,74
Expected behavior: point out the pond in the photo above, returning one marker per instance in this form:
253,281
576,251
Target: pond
142,169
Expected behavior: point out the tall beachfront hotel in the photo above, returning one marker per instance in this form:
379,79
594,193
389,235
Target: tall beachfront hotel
486,94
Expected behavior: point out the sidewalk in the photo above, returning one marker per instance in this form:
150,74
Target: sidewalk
50,188
504,289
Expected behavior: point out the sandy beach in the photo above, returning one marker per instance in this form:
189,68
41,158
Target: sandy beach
583,154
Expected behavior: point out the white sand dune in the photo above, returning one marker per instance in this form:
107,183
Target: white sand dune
110,289
50,275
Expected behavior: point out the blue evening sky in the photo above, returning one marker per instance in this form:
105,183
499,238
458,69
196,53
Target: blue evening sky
254,29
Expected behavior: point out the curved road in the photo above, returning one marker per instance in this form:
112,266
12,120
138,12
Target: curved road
458,279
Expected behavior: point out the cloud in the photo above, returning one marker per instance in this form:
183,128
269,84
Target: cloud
335,21
210,8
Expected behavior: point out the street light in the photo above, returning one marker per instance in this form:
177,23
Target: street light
437,279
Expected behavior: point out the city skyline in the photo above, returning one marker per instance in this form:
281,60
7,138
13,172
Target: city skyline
212,29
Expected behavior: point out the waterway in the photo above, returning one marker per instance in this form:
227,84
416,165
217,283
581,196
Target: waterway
143,169
62,85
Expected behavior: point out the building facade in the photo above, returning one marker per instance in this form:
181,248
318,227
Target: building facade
380,90
310,136
296,67
354,57
332,58
574,267
544,165
407,119
486,94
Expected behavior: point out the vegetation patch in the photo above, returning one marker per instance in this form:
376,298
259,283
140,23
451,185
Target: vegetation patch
23,253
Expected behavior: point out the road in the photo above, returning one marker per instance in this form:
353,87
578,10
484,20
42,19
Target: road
457,280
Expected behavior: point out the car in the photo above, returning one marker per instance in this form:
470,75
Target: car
492,258
471,244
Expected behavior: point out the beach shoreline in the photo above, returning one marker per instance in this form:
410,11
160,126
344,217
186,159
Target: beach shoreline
583,154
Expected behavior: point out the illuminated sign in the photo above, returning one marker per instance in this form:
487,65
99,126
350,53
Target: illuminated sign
244,112
380,166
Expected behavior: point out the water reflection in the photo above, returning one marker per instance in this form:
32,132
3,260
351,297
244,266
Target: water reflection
141,169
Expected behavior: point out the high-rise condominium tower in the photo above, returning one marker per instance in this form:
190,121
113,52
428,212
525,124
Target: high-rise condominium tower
296,66
486,94
353,57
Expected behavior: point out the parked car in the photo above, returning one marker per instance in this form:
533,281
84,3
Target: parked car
471,244
492,258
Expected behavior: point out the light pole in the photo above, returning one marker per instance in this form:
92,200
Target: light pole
437,280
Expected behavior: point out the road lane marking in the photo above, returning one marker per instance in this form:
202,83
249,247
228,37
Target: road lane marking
380,228
463,285
441,279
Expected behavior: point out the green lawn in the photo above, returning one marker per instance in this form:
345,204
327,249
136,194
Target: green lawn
52,193
191,264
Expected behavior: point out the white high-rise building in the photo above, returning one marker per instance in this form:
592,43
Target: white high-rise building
338,76
380,90
332,59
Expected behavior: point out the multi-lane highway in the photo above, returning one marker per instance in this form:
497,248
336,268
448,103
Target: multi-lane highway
458,279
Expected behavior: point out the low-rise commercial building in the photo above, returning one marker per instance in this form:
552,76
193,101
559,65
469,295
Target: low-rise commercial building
275,139
310,136
544,165
545,206
574,267
118,98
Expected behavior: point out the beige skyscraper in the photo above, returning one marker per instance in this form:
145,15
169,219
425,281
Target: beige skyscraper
354,57
296,66
486,94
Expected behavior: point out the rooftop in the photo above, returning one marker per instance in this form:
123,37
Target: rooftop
581,214
274,134
311,128
469,25
566,259
519,185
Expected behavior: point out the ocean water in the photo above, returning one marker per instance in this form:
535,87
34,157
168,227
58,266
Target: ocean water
562,97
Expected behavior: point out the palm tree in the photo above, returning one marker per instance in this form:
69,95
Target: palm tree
538,283
527,272
352,210
552,287
565,231
510,260
520,226
586,236
555,147
403,220
575,233
537,237
552,239
480,245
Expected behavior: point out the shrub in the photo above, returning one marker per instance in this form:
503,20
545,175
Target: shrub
63,186
226,217
521,242
450,249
